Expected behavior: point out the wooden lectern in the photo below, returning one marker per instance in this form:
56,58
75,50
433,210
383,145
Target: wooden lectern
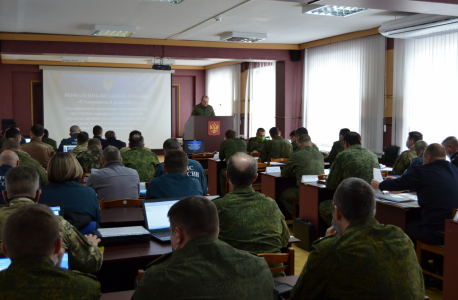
208,129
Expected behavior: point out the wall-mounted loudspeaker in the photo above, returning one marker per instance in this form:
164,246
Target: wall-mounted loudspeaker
295,55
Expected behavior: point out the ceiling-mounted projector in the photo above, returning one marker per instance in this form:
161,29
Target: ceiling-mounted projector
243,37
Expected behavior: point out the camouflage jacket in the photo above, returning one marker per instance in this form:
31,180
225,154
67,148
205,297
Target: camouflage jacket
337,147
79,149
276,148
206,268
353,162
251,221
296,146
125,149
403,162
200,110
231,146
84,256
308,161
144,161
254,144
368,261
38,278
90,159
26,160
51,142
313,146
40,151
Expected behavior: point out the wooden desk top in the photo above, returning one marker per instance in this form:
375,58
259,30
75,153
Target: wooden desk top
315,184
291,280
276,174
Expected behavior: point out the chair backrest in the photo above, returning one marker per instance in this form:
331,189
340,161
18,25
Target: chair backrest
280,258
120,203
263,166
140,274
258,154
279,160
322,177
202,156
391,154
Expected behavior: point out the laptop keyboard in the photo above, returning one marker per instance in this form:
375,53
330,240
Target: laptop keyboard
162,235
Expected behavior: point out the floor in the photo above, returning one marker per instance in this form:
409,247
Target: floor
301,257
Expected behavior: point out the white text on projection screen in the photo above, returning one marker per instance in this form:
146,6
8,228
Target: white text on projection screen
116,99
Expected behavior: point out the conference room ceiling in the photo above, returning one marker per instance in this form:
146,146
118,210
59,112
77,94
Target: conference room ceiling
283,21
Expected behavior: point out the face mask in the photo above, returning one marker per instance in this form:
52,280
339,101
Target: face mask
261,139
407,145
335,227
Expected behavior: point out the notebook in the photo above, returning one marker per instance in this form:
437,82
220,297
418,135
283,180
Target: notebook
156,220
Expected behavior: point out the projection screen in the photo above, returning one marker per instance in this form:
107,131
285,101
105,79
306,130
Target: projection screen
117,99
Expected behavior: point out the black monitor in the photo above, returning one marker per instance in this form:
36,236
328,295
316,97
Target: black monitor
191,147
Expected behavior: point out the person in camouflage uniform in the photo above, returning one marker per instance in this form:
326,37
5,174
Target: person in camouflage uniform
249,220
143,161
26,160
405,159
256,144
36,148
84,255
203,109
355,161
12,133
201,266
277,147
131,134
337,147
91,159
83,138
229,147
363,259
49,141
33,273
294,141
308,161
301,131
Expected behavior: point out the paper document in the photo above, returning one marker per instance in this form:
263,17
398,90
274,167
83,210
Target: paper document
273,170
277,164
216,157
398,197
309,178
123,231
456,217
326,171
211,198
378,175
142,185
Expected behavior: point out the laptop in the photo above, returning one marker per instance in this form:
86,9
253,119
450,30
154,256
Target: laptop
57,208
5,262
27,140
191,147
156,220
69,148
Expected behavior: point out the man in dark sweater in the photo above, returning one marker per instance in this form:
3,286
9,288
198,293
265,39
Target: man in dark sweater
437,191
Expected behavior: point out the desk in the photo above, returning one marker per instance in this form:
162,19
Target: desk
122,217
450,290
398,214
272,184
214,168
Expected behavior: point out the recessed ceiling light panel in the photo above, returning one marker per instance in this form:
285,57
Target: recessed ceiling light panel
336,10
243,37
114,31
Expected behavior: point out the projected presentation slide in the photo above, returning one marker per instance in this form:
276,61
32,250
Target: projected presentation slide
121,100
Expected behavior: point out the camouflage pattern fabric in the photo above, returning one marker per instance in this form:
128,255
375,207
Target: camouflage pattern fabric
325,211
40,151
200,110
288,197
403,162
308,161
51,142
276,148
79,149
353,162
231,146
251,221
125,149
206,268
255,145
314,146
337,147
38,278
222,181
296,146
90,159
143,161
26,160
83,255
369,261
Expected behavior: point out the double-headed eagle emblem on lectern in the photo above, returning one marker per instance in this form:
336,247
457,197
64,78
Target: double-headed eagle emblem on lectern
214,128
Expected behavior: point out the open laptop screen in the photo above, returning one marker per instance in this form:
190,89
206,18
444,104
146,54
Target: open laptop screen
156,214
5,262
56,207
69,148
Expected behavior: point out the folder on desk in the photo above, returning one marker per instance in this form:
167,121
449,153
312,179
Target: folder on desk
397,197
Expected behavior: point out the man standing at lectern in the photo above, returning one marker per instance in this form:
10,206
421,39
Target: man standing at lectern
203,109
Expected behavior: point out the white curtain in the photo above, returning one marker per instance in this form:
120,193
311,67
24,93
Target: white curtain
344,88
260,98
223,89
425,88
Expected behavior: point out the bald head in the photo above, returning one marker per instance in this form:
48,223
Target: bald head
10,158
11,144
242,169
433,153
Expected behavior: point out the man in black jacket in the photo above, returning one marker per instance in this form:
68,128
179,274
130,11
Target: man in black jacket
112,141
451,149
436,183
